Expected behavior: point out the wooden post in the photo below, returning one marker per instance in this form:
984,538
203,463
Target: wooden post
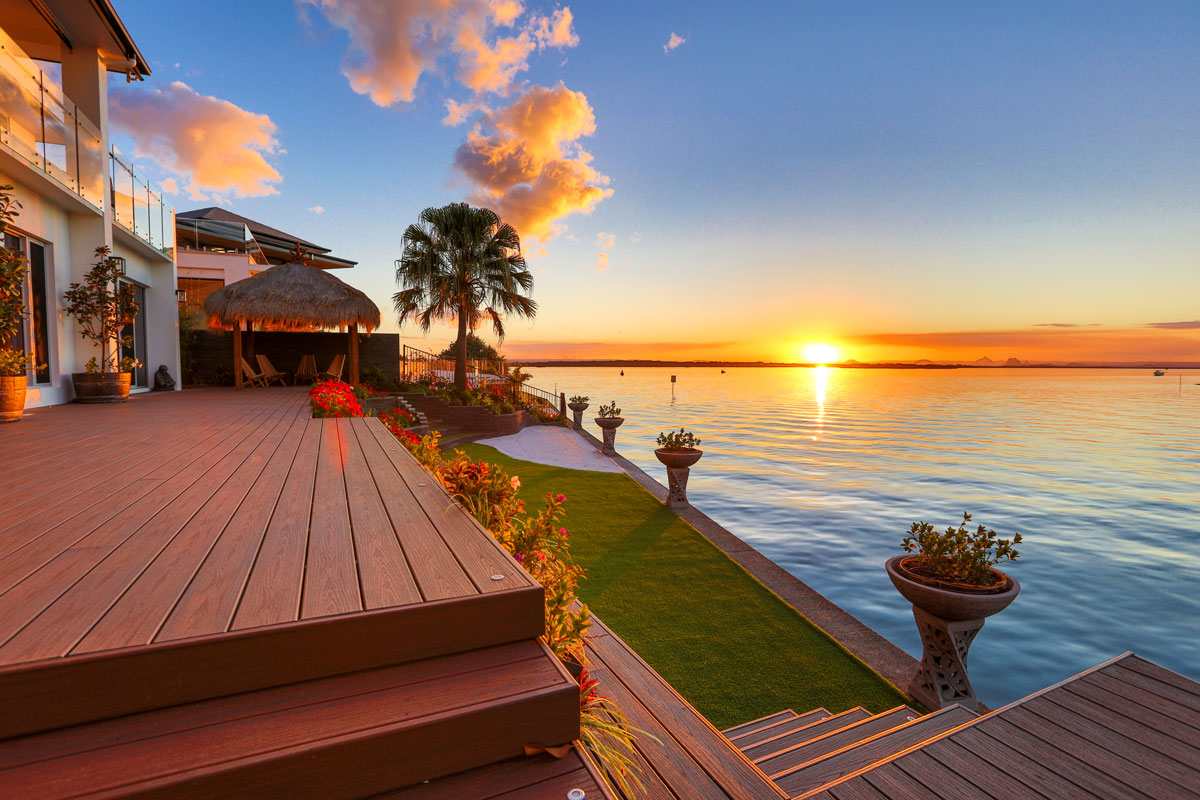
562,405
250,343
353,353
237,355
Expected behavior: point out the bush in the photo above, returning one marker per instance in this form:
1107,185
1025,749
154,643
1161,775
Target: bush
374,377
957,555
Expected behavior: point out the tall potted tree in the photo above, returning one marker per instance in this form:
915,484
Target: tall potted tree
101,306
13,361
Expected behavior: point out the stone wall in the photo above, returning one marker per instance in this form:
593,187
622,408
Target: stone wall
211,353
475,419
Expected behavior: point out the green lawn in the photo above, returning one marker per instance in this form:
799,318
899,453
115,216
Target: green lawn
728,644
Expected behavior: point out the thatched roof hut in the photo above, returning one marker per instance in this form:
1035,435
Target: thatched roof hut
292,297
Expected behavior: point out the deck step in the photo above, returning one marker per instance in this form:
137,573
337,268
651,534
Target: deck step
767,747
346,736
761,722
783,760
830,766
768,731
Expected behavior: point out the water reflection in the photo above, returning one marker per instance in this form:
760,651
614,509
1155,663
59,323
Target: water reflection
820,385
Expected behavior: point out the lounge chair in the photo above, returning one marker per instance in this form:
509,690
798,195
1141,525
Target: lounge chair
255,378
334,373
269,372
307,369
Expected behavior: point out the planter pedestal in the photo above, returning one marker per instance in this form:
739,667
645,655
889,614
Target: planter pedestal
677,478
941,679
610,441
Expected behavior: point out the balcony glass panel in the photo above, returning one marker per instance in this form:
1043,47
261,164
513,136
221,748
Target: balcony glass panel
44,128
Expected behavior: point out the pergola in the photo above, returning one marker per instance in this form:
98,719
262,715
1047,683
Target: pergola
291,297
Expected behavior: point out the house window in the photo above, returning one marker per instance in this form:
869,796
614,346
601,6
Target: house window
33,337
195,291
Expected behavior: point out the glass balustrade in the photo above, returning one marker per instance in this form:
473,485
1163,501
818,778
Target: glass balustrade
139,209
43,127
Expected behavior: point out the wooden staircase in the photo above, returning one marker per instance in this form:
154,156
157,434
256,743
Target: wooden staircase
803,752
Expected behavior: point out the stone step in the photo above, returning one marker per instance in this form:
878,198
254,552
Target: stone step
815,773
785,739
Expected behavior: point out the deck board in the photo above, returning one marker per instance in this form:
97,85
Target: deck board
207,516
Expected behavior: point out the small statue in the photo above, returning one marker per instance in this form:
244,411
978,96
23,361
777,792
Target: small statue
163,382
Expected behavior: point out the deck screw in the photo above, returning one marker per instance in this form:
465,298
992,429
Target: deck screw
576,794
497,577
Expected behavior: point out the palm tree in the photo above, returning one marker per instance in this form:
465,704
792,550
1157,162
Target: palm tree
462,262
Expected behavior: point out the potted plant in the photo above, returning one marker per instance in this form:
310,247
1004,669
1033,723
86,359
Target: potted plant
13,362
578,403
952,574
101,306
678,450
610,416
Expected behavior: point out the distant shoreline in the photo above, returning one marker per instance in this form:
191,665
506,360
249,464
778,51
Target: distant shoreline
879,365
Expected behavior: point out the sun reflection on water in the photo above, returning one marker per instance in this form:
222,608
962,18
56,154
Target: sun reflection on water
820,385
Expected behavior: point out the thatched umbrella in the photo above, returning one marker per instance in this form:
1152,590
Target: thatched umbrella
291,297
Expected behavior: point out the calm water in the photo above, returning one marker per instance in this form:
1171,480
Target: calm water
823,470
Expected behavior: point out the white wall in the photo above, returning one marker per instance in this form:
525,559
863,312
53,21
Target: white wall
232,267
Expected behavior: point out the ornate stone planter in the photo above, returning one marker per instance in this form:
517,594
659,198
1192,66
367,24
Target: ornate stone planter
578,408
678,464
12,397
608,427
101,387
948,620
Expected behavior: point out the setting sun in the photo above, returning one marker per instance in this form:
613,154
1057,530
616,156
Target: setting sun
820,353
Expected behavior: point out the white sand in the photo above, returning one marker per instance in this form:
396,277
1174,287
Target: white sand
557,447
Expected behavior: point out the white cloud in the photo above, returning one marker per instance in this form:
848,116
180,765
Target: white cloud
673,42
635,238
213,144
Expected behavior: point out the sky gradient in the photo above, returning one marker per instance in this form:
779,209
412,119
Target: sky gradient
944,181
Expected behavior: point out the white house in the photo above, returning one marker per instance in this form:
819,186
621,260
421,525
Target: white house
76,193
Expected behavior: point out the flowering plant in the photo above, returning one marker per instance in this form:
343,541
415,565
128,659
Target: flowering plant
397,419
334,399
607,734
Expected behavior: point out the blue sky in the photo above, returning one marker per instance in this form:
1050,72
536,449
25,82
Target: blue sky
791,172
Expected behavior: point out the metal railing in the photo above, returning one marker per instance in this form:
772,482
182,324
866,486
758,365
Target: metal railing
416,364
42,126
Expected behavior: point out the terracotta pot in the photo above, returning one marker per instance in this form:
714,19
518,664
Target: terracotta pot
12,397
101,387
951,604
608,423
577,406
678,459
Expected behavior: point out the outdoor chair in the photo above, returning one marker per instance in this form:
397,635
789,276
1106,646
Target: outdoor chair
334,373
269,372
255,378
307,369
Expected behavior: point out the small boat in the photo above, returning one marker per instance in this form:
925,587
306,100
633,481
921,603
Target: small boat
622,373
722,372
1158,373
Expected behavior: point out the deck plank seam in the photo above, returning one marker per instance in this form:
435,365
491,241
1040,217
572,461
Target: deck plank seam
408,563
90,530
228,625
308,527
284,426
1132,725
182,525
342,426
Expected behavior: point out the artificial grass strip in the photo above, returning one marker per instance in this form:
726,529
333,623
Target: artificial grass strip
728,644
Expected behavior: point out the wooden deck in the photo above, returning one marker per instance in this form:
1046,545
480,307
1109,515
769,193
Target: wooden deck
1127,729
168,563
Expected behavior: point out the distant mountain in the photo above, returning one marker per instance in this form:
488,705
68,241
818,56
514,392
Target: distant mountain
985,362
1015,362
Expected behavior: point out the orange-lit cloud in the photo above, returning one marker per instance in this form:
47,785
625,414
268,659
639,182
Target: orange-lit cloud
213,144
526,163
393,43
673,42
606,241
601,262
1067,344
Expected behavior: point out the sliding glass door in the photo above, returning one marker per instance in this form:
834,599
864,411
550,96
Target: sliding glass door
33,337
137,331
